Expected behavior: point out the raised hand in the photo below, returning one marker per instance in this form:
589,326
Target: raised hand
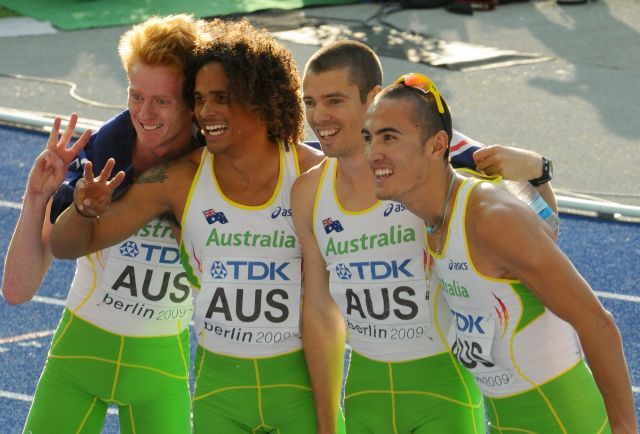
511,163
50,166
92,196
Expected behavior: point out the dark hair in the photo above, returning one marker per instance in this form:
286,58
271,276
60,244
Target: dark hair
262,75
425,110
365,70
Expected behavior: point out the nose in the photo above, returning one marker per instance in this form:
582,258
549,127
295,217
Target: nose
205,109
372,151
146,110
318,114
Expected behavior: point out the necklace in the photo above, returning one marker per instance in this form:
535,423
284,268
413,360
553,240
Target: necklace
432,229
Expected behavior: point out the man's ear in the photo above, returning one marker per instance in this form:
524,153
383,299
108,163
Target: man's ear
372,94
437,144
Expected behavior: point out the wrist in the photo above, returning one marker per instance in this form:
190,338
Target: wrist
547,173
81,214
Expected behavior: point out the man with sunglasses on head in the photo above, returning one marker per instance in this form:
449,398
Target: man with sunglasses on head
522,314
364,266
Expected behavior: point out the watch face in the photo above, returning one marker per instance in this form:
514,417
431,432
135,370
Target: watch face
547,169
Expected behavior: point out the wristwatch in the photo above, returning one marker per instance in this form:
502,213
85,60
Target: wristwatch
547,173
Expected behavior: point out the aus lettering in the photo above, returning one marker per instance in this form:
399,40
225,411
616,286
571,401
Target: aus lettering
404,307
268,304
470,354
153,285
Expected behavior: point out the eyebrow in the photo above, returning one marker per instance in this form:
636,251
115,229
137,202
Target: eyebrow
388,130
329,95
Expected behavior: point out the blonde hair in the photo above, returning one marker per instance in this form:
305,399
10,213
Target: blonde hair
161,41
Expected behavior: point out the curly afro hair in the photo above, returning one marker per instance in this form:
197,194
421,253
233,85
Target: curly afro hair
262,75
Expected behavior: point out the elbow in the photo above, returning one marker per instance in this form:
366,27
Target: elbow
13,296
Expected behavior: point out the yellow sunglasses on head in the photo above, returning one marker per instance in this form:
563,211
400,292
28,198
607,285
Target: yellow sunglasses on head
423,84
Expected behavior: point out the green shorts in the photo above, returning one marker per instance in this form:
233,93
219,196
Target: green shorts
570,403
430,395
253,395
88,368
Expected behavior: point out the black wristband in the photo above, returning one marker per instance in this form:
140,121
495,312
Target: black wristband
547,173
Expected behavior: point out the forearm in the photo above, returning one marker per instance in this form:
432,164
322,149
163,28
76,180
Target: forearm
72,234
603,350
28,256
323,343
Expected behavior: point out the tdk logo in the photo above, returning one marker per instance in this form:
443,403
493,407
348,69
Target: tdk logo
393,207
279,211
218,270
150,252
459,266
129,249
375,270
250,270
343,271
467,323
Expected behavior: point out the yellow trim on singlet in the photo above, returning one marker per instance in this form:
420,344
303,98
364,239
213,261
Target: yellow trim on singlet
295,159
187,203
274,195
94,285
337,199
314,215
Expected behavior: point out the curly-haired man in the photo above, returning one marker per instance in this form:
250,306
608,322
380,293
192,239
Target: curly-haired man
237,243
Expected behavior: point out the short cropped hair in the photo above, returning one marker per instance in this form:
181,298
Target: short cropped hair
160,41
365,70
425,110
262,75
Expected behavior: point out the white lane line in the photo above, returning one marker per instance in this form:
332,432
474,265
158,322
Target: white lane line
48,300
623,297
26,337
7,204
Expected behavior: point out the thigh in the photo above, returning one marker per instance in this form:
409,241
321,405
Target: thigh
167,413
61,406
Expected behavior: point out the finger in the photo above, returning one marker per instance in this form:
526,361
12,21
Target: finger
79,193
78,146
68,131
88,171
106,170
53,134
116,180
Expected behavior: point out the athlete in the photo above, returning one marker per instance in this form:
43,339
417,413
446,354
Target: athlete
237,242
522,314
364,261
123,338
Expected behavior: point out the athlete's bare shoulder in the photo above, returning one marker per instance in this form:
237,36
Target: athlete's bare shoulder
308,156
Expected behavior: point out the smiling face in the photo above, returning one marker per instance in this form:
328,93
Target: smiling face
334,111
160,115
223,121
395,148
